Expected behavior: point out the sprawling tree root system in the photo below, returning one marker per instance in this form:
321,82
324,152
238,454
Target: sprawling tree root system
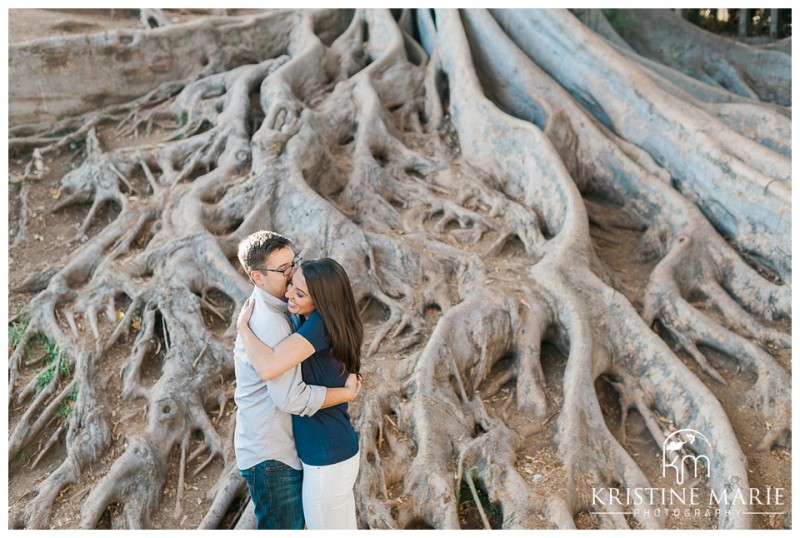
454,163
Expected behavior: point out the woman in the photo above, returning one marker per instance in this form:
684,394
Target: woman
328,344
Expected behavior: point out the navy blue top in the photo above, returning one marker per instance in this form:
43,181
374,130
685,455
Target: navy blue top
326,437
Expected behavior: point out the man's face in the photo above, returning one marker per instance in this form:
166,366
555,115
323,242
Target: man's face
274,273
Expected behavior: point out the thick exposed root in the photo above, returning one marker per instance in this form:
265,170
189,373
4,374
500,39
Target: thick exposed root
453,164
706,173
737,67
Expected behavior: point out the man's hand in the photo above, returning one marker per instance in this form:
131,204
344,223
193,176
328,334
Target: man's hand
353,384
342,395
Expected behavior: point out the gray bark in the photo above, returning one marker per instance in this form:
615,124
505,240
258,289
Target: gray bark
666,38
468,169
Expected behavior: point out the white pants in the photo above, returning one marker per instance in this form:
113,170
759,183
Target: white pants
328,500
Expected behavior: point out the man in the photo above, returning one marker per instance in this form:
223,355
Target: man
264,442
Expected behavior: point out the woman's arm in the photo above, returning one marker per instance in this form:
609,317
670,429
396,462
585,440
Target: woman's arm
270,363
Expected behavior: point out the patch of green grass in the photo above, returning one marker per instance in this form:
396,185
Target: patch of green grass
50,348
45,377
63,367
67,404
16,330
182,118
21,456
64,409
55,361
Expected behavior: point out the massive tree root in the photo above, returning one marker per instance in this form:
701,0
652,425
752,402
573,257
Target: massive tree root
468,179
744,70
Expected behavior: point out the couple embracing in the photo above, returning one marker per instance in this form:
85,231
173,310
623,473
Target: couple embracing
297,365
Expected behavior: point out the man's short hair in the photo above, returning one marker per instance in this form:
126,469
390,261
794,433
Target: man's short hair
254,249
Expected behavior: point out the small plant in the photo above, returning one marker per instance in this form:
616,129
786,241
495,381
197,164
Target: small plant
67,404
50,348
183,118
45,377
15,332
63,367
20,457
64,409
55,362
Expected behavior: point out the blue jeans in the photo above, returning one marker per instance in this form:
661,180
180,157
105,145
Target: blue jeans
277,492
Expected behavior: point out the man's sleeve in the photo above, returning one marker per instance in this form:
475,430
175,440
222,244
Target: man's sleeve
292,395
288,391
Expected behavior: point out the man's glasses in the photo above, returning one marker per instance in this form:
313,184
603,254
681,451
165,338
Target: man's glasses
295,263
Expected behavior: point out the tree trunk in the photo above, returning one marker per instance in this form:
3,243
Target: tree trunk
773,23
744,22
481,175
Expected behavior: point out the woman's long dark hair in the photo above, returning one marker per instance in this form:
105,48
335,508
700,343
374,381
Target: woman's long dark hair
332,295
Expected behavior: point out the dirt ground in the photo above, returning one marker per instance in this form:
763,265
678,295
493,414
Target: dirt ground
48,233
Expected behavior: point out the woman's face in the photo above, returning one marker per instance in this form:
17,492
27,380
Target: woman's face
297,293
